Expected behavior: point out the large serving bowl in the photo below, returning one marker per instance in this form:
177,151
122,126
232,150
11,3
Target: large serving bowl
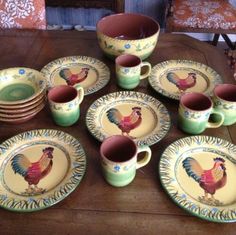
127,33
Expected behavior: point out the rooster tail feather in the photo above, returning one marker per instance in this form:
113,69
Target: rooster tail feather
20,164
172,77
193,168
114,116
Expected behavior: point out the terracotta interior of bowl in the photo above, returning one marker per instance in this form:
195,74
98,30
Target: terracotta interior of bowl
128,26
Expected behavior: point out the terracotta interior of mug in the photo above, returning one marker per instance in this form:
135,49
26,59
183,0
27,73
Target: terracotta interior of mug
118,148
128,26
128,60
226,92
62,94
196,101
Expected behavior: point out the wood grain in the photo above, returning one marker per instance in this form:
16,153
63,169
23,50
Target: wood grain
95,207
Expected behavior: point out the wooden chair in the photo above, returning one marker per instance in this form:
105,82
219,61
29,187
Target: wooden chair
202,16
32,16
116,6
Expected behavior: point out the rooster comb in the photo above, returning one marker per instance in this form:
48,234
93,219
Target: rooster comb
48,149
219,159
136,108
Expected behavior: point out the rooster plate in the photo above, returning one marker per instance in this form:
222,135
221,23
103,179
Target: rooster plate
199,173
39,168
172,78
88,72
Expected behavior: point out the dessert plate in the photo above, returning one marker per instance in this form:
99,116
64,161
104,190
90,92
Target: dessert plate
174,77
137,115
90,73
20,85
39,168
199,173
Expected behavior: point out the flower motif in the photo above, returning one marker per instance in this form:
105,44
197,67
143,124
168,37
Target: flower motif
127,46
116,168
21,71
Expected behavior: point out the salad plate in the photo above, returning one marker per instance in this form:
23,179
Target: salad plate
174,77
199,173
90,73
135,114
39,168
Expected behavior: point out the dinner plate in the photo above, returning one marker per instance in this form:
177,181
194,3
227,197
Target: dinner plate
174,77
90,73
20,85
39,168
199,173
137,115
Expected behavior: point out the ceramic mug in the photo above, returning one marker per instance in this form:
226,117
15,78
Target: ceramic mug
194,113
119,159
64,103
128,70
224,99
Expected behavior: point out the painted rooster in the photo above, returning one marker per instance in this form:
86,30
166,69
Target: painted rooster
210,180
182,84
125,123
72,78
33,172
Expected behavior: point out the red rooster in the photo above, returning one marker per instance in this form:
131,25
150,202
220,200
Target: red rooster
182,84
33,172
125,123
210,180
71,78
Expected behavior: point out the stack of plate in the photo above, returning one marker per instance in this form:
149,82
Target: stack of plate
22,94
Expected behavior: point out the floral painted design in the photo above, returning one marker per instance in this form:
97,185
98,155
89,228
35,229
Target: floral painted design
204,14
22,14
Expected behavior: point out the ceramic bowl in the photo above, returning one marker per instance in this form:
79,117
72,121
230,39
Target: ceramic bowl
20,85
127,33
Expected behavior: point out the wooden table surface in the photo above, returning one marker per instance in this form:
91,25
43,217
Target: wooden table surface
95,207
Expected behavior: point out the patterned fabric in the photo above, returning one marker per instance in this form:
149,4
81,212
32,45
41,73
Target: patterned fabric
207,14
22,14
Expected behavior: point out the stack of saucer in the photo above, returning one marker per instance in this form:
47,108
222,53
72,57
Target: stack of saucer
22,94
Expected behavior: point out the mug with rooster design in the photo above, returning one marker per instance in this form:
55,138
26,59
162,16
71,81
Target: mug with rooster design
64,102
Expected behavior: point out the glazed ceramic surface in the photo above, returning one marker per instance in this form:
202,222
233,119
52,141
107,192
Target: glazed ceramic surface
174,77
39,168
19,85
224,99
134,114
199,174
88,72
194,113
64,102
119,159
128,71
127,33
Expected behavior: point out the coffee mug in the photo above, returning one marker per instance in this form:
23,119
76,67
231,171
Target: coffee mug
224,99
119,159
64,103
128,70
194,113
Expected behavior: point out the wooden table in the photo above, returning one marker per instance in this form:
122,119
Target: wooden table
95,207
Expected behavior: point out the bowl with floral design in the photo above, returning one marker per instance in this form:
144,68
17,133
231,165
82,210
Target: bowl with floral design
127,33
20,85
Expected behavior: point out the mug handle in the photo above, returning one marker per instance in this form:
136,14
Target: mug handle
216,124
144,161
80,90
149,67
